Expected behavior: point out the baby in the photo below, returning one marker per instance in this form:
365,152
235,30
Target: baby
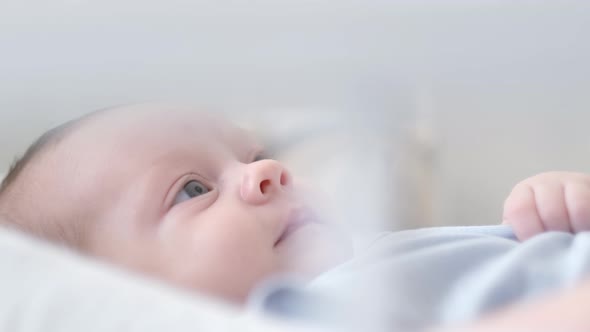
188,198
173,193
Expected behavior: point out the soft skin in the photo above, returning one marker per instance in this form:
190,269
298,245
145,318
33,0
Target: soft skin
551,201
185,197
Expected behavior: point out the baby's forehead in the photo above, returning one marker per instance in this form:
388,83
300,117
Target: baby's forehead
160,129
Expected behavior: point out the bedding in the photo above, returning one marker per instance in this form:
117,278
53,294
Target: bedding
45,288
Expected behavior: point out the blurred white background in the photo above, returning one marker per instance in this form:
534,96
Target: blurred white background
490,92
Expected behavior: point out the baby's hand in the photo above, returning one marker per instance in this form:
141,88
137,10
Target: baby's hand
553,201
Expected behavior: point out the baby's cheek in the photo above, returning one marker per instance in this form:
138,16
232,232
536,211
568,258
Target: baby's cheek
241,251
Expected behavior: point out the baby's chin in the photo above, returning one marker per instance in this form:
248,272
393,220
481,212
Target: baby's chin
313,249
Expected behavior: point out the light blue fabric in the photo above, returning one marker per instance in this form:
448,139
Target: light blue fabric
417,278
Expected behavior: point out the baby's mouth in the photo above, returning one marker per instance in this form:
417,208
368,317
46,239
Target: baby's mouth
296,219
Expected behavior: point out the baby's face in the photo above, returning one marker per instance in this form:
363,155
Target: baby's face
190,199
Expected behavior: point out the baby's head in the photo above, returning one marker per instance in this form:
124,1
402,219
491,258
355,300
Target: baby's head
177,194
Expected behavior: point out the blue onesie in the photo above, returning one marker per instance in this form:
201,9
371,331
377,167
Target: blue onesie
418,278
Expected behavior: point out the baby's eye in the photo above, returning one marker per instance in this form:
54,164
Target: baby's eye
190,190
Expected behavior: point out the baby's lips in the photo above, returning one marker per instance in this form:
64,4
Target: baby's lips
297,218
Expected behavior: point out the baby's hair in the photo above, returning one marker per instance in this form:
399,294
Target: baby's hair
8,215
50,137
17,206
63,229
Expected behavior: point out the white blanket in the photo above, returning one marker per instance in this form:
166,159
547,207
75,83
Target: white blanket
48,289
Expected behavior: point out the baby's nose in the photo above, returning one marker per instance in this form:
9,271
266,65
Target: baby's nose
263,180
